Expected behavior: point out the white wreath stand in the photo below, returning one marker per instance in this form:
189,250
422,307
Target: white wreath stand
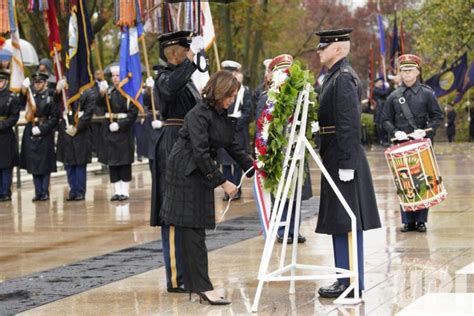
293,179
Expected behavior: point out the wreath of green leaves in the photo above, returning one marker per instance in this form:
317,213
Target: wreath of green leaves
284,106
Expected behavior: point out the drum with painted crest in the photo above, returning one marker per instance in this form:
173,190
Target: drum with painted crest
416,174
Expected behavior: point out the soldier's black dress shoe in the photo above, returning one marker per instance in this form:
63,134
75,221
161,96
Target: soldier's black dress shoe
44,197
180,290
80,198
122,197
421,227
226,197
408,227
334,290
289,241
301,239
115,197
36,198
5,198
237,196
70,198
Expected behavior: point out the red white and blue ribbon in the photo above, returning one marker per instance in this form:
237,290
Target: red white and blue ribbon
263,201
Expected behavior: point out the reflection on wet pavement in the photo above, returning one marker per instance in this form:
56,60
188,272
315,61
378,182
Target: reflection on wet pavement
400,268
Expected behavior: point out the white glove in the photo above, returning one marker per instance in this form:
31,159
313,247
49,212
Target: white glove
400,135
61,84
149,82
418,134
156,124
445,124
236,115
35,131
114,127
346,175
103,86
315,127
26,83
71,130
197,44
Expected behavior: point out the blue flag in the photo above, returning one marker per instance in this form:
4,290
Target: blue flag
80,73
467,84
395,50
130,67
449,79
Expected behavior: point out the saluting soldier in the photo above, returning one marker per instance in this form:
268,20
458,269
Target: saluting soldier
37,146
177,95
119,145
408,111
9,115
74,147
344,158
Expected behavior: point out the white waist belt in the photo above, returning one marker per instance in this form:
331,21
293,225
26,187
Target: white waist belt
116,115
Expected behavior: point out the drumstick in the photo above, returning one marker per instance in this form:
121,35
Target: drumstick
426,130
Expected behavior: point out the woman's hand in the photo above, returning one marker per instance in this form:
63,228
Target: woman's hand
230,188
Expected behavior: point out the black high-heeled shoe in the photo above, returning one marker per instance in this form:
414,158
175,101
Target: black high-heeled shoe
221,301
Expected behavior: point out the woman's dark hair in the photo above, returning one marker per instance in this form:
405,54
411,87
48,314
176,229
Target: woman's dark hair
221,85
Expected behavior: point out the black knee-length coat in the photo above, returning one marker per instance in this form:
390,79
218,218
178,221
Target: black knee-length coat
9,115
192,173
340,107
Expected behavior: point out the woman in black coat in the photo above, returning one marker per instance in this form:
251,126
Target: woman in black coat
192,175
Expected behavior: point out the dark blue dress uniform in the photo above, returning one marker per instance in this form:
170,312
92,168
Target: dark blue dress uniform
191,177
426,114
176,95
339,120
38,155
9,115
75,152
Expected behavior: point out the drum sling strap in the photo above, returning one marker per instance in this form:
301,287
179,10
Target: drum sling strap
405,109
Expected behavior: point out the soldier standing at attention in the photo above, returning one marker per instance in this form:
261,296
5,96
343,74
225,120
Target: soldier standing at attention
344,158
411,109
9,115
37,146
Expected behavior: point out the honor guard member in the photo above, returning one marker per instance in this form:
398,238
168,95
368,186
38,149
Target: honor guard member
241,111
119,145
37,146
344,158
176,95
9,114
409,112
74,147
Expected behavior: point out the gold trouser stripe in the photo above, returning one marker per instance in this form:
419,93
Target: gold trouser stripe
349,247
174,281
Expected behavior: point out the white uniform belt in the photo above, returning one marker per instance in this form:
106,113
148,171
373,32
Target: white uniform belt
79,114
116,115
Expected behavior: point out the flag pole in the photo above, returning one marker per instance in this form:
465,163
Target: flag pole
60,76
216,52
147,65
99,64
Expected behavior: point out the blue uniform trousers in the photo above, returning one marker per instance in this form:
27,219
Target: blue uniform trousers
6,182
281,229
77,178
171,239
342,257
420,216
41,182
233,177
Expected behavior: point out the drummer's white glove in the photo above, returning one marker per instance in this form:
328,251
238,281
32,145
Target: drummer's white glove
401,135
418,134
149,82
156,124
35,131
103,86
61,84
197,44
26,83
315,127
114,127
346,175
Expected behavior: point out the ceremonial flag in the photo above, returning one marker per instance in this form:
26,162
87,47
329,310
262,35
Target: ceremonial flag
207,25
130,68
54,40
395,49
402,39
16,66
382,43
78,58
468,83
449,79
